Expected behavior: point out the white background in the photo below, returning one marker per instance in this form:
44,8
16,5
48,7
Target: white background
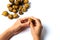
48,11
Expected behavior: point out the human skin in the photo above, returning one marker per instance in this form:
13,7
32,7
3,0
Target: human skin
16,28
20,25
36,29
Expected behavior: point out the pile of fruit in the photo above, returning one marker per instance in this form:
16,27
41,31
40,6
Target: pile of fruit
17,7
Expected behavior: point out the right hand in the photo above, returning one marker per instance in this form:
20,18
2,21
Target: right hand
36,28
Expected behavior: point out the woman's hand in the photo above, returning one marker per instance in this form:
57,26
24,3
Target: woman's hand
20,25
36,28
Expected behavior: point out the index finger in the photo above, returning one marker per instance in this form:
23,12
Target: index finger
37,21
23,20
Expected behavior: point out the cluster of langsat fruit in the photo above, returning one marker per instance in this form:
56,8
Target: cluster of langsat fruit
19,6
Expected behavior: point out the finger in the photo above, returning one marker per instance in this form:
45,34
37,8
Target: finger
25,24
41,29
31,25
24,18
39,20
36,20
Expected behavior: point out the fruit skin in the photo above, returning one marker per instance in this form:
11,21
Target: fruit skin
24,9
20,12
5,13
16,3
10,16
20,8
14,10
30,19
19,0
27,5
9,5
15,16
12,1
15,7
26,1
10,9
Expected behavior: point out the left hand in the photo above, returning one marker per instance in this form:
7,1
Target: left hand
20,25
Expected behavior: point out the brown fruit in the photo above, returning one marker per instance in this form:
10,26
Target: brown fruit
15,16
27,5
15,6
30,19
20,12
5,13
33,21
10,9
14,10
26,1
20,8
16,3
24,9
19,0
12,1
9,5
10,16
